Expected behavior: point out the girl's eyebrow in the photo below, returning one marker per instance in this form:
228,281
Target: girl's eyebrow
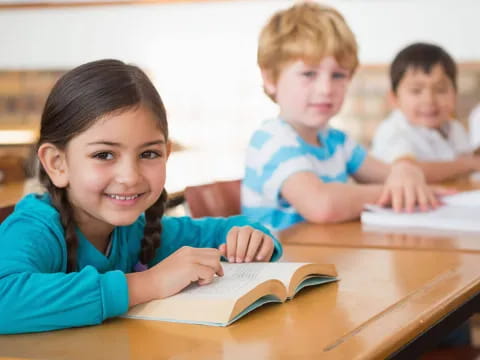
111,143
155,142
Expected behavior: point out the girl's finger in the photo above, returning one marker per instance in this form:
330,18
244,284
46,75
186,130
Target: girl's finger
210,258
223,249
242,243
204,274
253,246
266,249
232,243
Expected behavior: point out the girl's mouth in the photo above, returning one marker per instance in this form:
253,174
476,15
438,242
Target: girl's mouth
124,199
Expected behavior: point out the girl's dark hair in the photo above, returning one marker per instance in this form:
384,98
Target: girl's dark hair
77,100
423,56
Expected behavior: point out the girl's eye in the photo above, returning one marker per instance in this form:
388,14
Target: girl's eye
150,154
104,155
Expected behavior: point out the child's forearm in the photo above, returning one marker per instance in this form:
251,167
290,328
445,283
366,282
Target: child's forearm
321,202
337,202
447,170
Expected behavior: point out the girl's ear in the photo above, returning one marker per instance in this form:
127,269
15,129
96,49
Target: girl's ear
54,162
268,82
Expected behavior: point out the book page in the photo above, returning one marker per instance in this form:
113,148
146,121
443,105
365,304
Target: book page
240,278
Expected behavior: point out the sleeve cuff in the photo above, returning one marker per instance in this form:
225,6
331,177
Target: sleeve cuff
278,250
356,160
114,289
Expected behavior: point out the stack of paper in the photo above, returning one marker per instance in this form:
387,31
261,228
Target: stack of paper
459,212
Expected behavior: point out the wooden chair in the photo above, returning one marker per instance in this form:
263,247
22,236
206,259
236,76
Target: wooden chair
217,199
5,211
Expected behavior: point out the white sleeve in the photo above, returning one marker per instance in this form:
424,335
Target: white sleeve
389,146
459,138
474,123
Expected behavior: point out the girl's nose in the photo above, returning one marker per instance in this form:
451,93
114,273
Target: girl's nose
128,173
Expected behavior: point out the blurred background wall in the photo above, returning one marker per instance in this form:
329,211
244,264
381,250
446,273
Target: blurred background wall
202,55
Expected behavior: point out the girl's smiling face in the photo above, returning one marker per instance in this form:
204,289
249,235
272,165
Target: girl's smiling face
115,169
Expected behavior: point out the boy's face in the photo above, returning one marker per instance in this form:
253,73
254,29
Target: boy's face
308,96
426,99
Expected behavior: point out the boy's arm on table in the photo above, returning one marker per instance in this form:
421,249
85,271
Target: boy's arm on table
321,202
439,171
401,149
404,183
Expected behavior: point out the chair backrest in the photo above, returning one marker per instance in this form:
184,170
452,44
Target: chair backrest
217,199
5,211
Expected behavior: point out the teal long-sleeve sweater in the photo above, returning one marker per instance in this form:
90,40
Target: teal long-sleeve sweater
36,293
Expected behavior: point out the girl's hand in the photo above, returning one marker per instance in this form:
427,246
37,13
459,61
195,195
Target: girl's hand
246,244
406,188
183,267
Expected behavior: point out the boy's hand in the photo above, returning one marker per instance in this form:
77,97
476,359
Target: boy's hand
184,266
246,244
406,188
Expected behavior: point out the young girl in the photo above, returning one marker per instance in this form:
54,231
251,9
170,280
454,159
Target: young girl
68,257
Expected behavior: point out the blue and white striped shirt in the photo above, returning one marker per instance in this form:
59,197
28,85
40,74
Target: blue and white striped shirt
276,152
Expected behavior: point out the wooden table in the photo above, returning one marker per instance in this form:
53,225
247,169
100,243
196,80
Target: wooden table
384,300
354,234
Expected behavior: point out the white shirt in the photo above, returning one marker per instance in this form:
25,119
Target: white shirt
396,137
474,124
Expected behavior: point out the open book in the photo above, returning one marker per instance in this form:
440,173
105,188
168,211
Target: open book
459,212
243,288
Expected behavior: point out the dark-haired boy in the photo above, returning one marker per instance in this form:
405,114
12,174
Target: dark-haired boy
422,128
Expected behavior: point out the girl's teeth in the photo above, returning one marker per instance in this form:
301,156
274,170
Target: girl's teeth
118,197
